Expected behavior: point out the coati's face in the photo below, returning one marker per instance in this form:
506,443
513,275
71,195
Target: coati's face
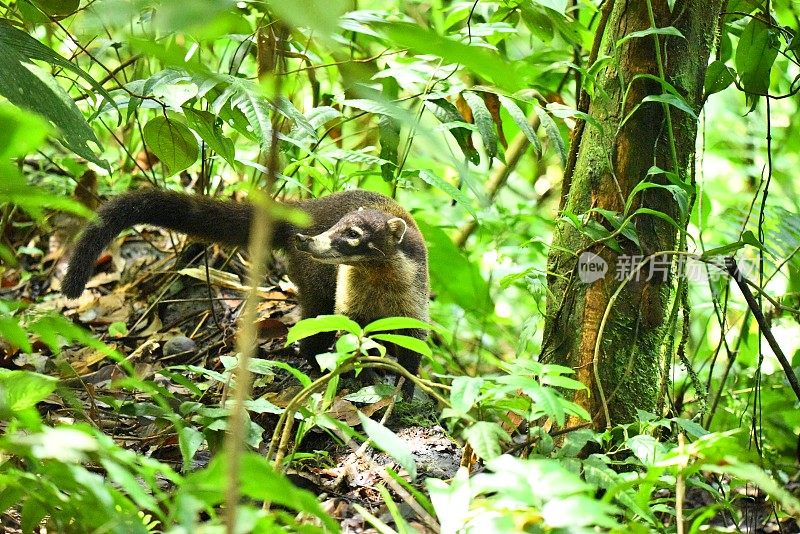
360,236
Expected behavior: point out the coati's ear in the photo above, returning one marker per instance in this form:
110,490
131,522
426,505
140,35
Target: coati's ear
397,227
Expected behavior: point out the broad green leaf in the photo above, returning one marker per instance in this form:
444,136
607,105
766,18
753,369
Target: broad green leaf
659,214
560,381
205,124
287,109
718,77
14,334
31,88
484,122
387,441
552,133
20,133
395,323
464,392
407,342
20,390
58,8
127,481
448,115
32,49
749,238
379,108
172,142
672,100
485,438
575,511
690,427
522,122
14,189
453,276
262,406
549,401
724,250
323,323
189,441
483,62
678,194
261,482
755,55
646,448
389,131
669,30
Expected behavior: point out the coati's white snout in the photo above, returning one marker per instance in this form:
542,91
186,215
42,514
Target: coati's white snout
314,245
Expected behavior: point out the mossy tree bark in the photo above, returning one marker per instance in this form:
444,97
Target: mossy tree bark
620,357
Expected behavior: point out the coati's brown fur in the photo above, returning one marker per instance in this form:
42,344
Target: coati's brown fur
362,255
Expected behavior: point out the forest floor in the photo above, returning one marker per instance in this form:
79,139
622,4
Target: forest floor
150,300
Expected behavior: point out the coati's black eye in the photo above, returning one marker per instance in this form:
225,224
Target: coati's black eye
351,234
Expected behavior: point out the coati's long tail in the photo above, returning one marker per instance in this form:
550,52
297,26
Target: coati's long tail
198,216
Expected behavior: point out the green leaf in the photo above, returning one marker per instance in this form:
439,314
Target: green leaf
31,88
323,323
395,323
379,108
724,250
565,382
388,442
669,30
484,122
13,188
453,276
407,342
32,49
14,334
485,438
123,478
189,441
755,55
455,193
287,109
672,100
718,77
552,133
464,392
522,122
172,142
389,131
690,427
483,62
661,215
448,115
750,239
20,390
205,124
679,194
646,448
575,511
117,329
549,401
58,8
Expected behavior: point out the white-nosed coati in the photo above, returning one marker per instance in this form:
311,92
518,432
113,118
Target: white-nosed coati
362,255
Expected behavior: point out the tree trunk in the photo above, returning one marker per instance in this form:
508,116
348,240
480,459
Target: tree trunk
612,153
